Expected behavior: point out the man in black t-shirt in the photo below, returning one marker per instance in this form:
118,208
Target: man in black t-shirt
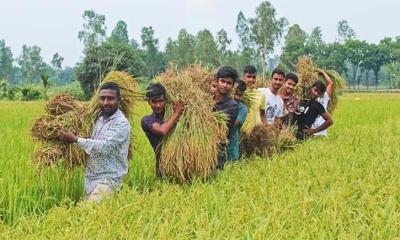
309,110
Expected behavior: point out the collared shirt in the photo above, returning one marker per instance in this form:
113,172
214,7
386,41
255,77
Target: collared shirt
291,103
108,151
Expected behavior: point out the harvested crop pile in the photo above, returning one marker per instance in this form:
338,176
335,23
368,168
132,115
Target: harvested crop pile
338,84
191,148
286,139
307,76
261,141
64,112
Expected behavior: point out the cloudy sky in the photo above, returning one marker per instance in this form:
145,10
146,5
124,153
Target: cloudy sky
54,25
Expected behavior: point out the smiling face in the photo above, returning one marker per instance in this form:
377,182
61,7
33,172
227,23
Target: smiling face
277,82
109,102
289,86
250,79
315,93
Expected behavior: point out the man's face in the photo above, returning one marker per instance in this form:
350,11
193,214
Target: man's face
108,101
224,85
289,86
158,105
277,81
238,96
250,79
314,93
213,87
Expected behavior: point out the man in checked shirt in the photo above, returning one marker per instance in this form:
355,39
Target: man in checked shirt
107,148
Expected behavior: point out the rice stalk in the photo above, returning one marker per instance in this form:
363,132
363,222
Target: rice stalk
191,148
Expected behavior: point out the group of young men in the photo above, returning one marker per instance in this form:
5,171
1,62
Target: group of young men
276,104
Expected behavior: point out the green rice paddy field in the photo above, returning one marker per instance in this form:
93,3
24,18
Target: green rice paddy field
346,186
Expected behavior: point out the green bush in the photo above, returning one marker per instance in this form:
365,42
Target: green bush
28,93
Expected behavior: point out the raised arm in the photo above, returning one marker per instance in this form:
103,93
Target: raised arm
329,82
164,128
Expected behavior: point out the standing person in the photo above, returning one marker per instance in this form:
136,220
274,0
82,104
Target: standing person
308,111
324,100
107,148
256,114
154,125
227,76
234,143
290,100
274,111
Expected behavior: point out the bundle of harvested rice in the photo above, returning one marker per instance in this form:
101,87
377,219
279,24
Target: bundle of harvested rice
307,76
61,104
64,112
49,154
46,131
286,139
47,127
260,142
191,148
338,84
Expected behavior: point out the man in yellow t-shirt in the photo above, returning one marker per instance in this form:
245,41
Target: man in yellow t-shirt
256,113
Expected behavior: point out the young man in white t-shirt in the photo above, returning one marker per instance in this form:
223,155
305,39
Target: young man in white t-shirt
274,110
324,100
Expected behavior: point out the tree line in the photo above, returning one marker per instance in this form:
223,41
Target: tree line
360,62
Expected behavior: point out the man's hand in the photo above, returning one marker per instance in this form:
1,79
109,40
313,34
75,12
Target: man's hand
309,131
68,136
178,107
320,70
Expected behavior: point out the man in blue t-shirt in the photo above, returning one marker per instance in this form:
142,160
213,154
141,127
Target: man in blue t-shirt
234,152
154,125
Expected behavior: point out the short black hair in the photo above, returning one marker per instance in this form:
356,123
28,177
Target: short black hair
112,86
320,86
250,69
292,76
278,71
241,86
155,90
227,72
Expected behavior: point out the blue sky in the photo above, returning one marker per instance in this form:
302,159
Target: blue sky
54,25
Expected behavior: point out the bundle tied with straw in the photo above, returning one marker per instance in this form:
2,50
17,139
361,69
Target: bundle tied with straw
261,141
338,84
307,76
191,148
286,139
64,112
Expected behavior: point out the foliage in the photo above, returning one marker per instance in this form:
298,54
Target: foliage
100,60
94,29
